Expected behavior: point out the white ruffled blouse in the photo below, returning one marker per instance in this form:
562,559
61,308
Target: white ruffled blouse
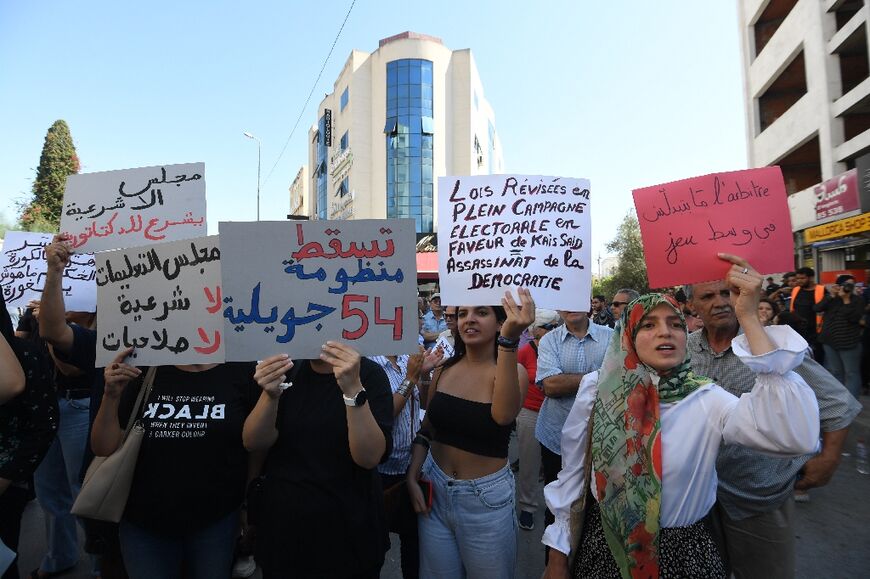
780,416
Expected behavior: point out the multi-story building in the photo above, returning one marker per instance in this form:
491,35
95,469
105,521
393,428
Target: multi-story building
806,69
397,119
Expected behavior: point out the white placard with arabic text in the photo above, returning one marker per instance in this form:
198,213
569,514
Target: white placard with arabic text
23,273
163,299
132,207
290,287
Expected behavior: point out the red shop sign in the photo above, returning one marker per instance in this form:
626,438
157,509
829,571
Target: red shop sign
837,195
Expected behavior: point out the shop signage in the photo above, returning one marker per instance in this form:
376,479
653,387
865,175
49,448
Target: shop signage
836,229
327,126
837,195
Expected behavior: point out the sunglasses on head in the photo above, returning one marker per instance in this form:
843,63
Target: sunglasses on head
617,304
548,326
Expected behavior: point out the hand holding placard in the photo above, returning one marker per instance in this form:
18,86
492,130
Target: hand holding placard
684,225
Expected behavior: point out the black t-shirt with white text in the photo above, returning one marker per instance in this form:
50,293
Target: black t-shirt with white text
192,466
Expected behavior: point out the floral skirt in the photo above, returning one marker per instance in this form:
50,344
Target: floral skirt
684,552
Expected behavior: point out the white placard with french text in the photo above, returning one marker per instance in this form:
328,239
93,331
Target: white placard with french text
501,232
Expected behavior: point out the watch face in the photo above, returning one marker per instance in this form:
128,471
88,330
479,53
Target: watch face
361,398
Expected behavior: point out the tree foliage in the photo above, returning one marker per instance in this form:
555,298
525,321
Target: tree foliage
631,270
57,162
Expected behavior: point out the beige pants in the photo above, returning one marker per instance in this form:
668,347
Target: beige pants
530,460
760,547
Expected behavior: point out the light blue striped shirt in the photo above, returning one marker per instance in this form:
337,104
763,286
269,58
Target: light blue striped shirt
561,352
406,424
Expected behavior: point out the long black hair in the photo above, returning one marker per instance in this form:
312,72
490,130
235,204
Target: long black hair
459,345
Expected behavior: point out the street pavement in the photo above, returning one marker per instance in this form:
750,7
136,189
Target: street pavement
832,530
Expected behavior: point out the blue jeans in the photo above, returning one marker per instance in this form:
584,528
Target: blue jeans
56,482
204,554
472,527
845,365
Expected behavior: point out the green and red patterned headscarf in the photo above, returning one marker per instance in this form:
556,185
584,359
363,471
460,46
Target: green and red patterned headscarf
626,442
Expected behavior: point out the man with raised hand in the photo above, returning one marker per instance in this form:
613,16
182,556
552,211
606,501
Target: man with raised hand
755,509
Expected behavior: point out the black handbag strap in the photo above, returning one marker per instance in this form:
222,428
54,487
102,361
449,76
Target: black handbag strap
144,391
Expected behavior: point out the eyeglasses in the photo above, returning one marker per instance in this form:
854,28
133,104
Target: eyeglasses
450,316
617,304
548,326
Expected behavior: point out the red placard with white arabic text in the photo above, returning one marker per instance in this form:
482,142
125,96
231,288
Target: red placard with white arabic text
684,224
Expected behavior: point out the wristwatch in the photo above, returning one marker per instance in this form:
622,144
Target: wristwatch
405,388
357,399
507,342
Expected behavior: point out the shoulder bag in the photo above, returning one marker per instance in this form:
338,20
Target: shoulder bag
106,487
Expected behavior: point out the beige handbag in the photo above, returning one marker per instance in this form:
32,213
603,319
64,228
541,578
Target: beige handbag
104,492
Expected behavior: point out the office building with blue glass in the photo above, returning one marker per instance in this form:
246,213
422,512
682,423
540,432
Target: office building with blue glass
397,119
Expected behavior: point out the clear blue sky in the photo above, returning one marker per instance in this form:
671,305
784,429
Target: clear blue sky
625,93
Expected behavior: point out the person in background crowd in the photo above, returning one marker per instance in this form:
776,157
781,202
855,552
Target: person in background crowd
653,429
865,364
767,311
528,446
470,527
841,332
680,296
770,287
783,295
804,297
433,322
58,479
319,508
28,423
693,321
422,306
621,299
404,374
447,338
755,509
565,355
600,312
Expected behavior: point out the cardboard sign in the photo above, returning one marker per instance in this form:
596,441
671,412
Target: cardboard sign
164,300
684,225
290,287
501,232
23,273
132,207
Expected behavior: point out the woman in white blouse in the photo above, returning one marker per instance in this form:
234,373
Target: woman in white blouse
642,438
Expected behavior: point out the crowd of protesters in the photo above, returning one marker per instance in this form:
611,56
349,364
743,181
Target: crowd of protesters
673,431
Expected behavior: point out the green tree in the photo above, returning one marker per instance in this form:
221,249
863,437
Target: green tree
631,271
57,162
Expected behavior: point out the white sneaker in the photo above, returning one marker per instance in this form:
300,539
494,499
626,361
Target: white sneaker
244,567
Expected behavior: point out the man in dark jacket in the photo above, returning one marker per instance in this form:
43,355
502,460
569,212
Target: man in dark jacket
841,332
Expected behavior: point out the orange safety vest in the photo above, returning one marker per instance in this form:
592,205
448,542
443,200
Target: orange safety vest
817,297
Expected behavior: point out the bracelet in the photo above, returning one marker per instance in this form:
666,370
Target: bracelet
405,388
507,342
507,349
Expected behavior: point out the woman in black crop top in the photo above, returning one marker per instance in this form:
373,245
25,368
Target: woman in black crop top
470,528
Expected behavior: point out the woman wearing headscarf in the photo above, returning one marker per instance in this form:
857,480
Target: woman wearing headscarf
644,469
28,422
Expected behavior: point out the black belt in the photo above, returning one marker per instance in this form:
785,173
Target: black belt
74,393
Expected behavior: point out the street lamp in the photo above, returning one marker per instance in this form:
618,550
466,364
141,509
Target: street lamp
250,136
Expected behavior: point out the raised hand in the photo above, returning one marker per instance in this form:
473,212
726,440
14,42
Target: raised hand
271,373
745,284
118,374
345,365
432,358
519,316
415,366
57,253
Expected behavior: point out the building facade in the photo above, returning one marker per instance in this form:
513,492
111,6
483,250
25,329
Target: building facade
397,119
806,70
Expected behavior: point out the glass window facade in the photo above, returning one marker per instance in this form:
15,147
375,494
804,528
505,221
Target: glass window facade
344,141
408,134
344,97
321,174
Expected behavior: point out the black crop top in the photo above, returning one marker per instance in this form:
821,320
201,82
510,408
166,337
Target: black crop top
468,425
